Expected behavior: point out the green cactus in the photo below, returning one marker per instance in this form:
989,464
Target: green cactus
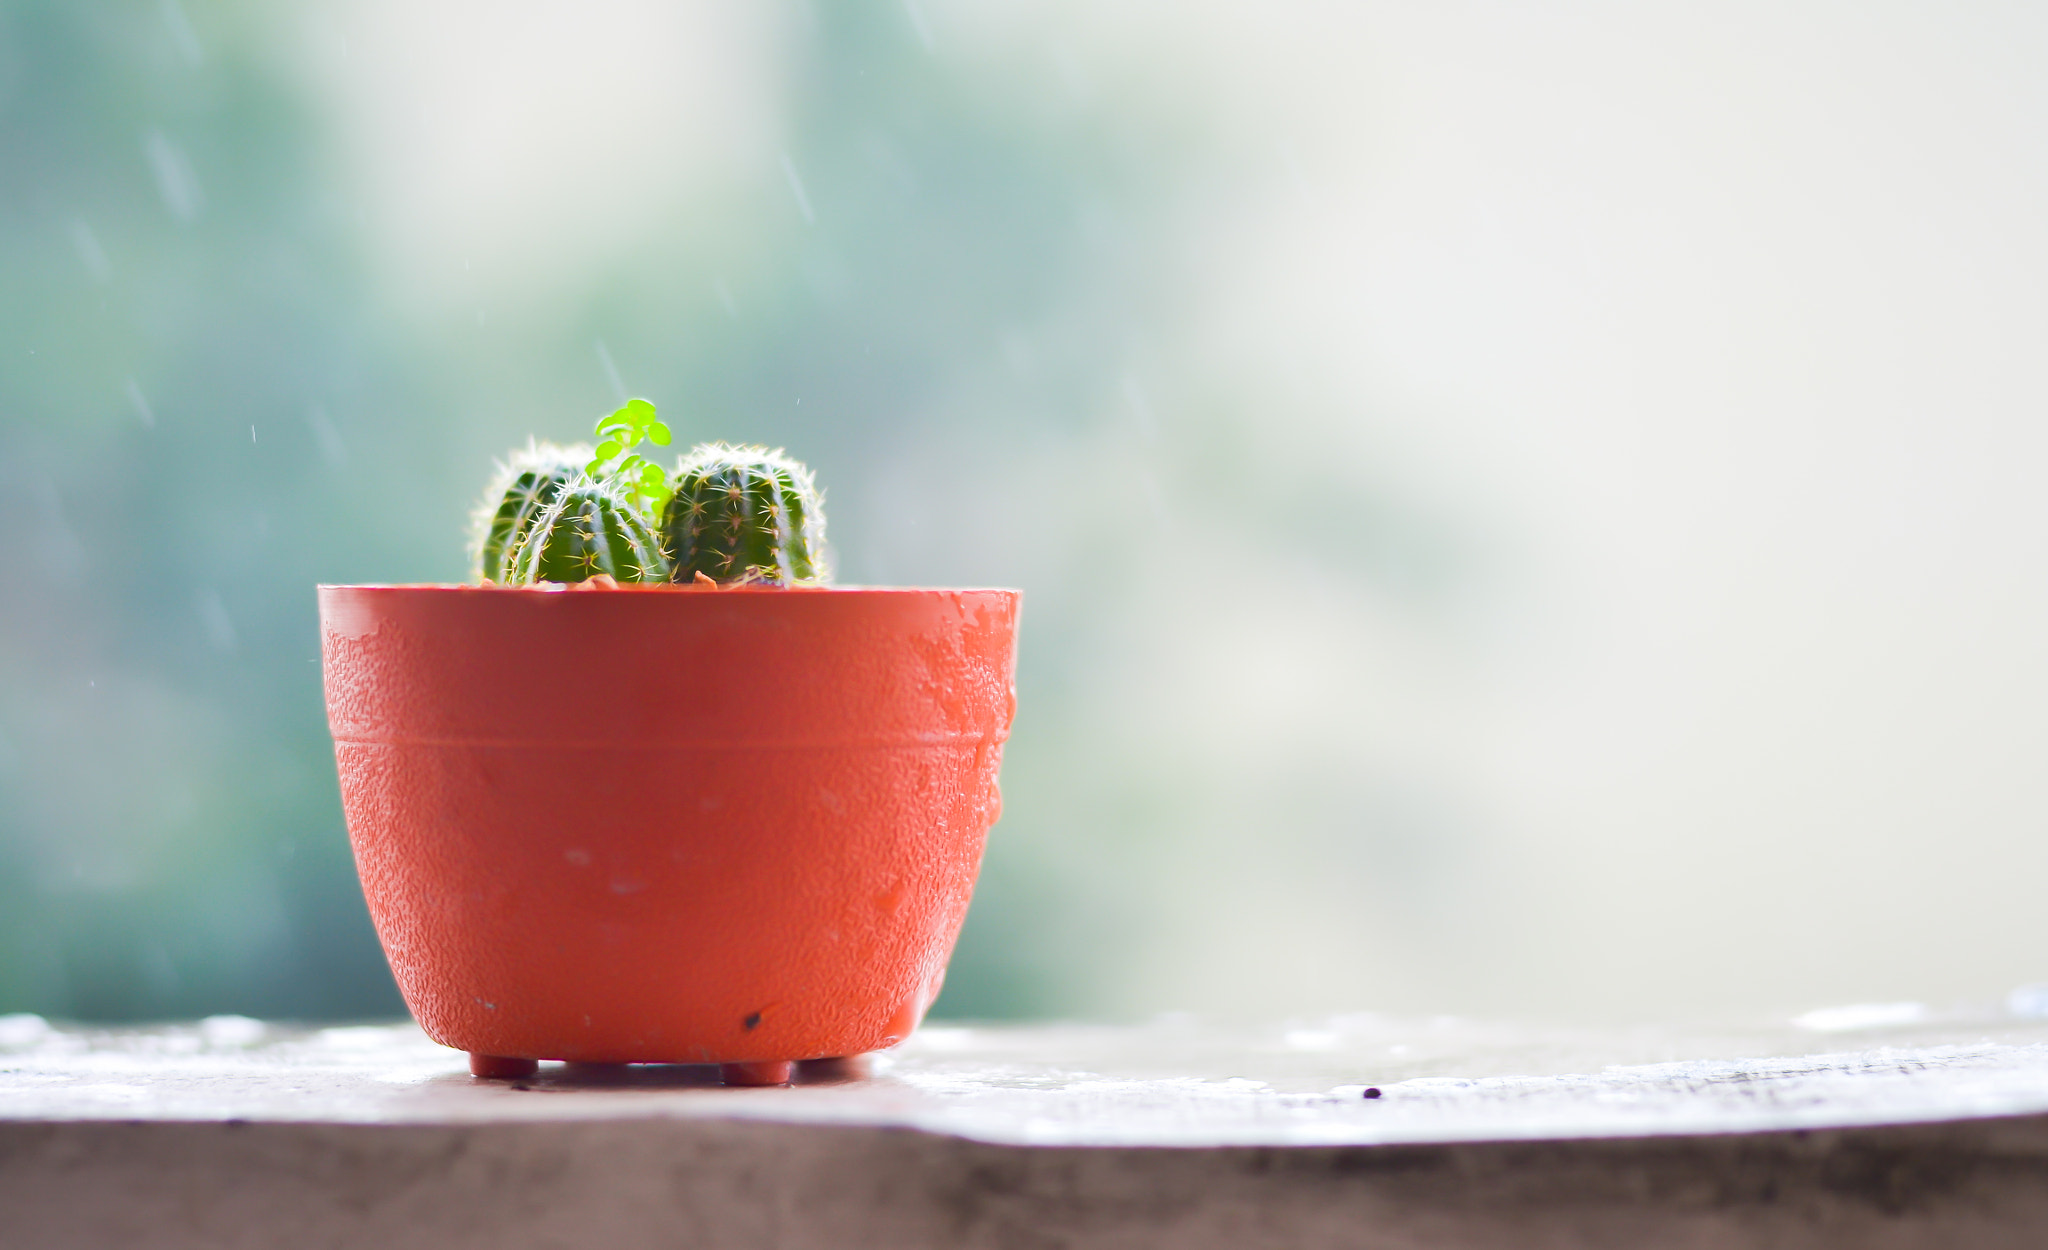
525,485
592,528
744,515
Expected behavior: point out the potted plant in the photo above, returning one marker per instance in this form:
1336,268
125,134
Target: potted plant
653,790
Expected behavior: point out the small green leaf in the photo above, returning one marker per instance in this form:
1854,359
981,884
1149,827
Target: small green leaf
606,450
658,434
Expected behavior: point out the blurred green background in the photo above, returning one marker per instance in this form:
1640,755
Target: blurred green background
213,403
1518,506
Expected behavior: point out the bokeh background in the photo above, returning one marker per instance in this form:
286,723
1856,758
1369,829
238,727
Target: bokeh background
1524,508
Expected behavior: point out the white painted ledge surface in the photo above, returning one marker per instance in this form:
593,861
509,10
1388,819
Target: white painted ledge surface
1904,1131
1166,1084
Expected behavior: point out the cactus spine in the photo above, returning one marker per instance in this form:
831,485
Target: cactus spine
591,528
744,515
525,485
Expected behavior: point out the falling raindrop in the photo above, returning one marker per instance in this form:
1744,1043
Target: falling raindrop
331,448
611,371
175,179
920,25
89,250
57,548
141,402
214,621
182,34
796,186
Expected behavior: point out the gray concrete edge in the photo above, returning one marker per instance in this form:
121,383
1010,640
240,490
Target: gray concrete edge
627,1183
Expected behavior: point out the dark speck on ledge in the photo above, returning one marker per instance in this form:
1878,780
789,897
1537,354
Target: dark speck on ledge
752,1020
1372,1091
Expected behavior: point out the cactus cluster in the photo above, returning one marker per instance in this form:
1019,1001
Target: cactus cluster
730,515
744,514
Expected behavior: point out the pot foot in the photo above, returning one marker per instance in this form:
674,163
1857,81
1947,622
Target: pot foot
773,1072
837,1068
500,1068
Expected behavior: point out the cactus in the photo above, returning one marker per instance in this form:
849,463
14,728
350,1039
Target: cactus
744,515
592,528
525,485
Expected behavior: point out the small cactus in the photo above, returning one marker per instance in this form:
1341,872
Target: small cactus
744,515
591,528
525,485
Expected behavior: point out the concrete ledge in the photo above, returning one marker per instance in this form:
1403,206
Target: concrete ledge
631,1184
230,1134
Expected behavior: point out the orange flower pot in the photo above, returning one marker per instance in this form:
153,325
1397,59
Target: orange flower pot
665,823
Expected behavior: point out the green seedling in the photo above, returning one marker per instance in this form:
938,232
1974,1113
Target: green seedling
744,515
614,459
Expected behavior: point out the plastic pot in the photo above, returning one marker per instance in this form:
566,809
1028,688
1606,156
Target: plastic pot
663,823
